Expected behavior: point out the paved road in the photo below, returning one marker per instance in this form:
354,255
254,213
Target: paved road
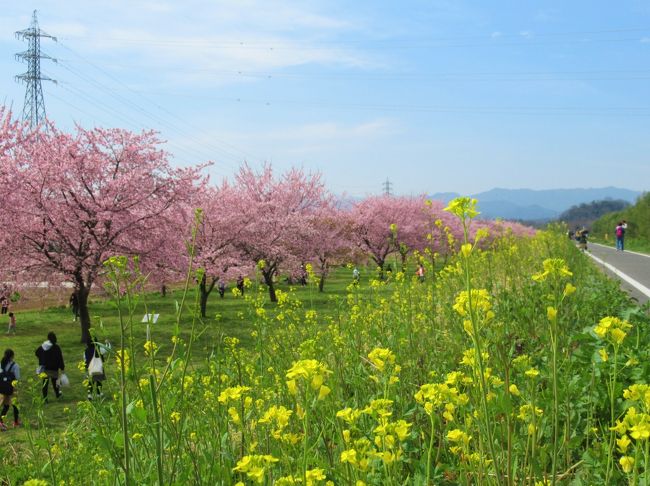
631,269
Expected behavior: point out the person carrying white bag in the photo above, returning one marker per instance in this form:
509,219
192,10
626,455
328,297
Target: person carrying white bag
94,367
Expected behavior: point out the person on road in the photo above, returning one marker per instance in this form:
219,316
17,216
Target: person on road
10,373
620,235
582,236
50,359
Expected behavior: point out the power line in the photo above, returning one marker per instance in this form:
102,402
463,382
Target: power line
587,75
494,40
34,105
421,108
228,149
197,144
179,149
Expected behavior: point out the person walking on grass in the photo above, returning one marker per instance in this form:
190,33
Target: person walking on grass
420,273
9,374
12,323
50,360
95,377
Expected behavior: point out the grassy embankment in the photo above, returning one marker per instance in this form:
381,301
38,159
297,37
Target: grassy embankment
39,312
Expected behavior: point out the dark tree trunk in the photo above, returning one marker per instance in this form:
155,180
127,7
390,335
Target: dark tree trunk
163,290
268,280
205,289
324,269
380,263
82,291
203,303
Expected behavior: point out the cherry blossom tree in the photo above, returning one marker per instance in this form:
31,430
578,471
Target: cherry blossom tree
386,224
216,253
333,229
278,214
77,199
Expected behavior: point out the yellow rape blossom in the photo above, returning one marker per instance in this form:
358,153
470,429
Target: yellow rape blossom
254,466
603,354
310,371
480,303
612,329
150,348
623,443
458,436
554,268
349,456
118,357
627,463
463,207
532,373
380,356
232,393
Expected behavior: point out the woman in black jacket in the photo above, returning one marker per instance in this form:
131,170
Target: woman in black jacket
11,371
50,359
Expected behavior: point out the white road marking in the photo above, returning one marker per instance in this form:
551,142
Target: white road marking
626,251
634,283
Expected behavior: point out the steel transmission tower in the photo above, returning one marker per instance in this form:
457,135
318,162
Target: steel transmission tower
388,186
34,107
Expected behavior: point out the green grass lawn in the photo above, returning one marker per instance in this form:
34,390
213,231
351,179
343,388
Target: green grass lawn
225,316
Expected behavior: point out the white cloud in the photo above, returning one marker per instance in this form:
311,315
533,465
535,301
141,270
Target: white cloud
207,38
496,34
526,34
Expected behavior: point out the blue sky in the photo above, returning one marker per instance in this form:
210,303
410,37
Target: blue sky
436,95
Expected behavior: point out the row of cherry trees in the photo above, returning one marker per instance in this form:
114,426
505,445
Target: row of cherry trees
70,201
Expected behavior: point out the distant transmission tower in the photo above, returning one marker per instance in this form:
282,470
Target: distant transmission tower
34,107
388,187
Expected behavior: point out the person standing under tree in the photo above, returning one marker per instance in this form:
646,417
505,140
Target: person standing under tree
50,359
355,275
74,306
5,305
9,374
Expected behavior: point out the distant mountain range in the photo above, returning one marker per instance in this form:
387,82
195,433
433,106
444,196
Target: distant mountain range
537,205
